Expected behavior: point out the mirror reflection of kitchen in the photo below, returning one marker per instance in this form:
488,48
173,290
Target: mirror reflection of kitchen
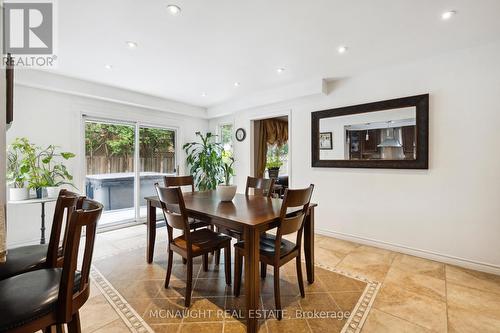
380,135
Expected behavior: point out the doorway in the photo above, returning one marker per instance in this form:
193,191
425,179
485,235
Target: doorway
271,150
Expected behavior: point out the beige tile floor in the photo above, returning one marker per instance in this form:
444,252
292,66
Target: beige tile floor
417,295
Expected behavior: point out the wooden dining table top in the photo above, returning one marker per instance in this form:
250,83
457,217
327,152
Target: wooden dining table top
247,210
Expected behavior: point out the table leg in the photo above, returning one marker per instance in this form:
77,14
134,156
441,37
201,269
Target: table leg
151,226
309,244
42,228
252,282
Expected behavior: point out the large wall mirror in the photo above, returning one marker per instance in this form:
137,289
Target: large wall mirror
388,134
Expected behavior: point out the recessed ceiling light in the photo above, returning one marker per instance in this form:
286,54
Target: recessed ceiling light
342,49
131,44
280,70
174,9
108,67
237,84
448,15
203,94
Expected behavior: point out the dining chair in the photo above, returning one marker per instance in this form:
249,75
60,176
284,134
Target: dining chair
47,297
274,249
28,258
190,244
260,186
179,181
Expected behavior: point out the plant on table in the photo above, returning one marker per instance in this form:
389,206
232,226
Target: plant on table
227,168
205,162
18,168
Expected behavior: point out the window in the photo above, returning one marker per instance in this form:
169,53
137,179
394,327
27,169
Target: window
275,152
226,137
118,177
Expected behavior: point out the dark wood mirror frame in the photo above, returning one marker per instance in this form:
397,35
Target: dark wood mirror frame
420,102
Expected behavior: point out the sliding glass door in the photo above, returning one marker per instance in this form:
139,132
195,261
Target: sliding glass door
156,160
123,161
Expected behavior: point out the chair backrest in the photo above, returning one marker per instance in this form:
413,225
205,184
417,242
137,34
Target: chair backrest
178,181
65,205
71,295
174,210
261,186
293,222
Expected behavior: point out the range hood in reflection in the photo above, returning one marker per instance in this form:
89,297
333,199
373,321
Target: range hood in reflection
390,141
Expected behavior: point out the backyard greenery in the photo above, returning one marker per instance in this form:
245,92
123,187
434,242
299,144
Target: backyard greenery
111,148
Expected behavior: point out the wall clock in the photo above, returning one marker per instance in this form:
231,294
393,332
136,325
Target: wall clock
241,134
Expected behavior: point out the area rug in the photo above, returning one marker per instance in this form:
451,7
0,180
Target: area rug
335,302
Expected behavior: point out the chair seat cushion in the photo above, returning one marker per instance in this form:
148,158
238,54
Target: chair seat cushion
23,259
29,296
202,240
268,245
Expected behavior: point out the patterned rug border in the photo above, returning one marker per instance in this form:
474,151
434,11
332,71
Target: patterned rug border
135,322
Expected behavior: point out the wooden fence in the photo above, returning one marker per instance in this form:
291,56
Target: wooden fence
116,164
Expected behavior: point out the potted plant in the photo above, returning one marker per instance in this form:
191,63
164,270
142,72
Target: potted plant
273,167
48,172
53,172
204,160
17,171
226,190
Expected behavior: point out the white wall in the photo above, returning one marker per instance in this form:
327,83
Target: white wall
49,117
451,211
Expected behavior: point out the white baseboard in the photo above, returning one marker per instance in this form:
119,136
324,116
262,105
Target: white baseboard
452,260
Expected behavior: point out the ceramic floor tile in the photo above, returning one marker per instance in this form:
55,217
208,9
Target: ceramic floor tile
165,311
415,265
206,309
372,267
412,307
381,322
240,327
346,301
464,321
323,325
288,326
418,283
201,327
96,313
166,328
481,303
473,279
337,246
117,326
333,282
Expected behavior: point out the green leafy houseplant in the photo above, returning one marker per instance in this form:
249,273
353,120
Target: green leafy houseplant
274,164
205,162
17,166
39,167
54,173
228,170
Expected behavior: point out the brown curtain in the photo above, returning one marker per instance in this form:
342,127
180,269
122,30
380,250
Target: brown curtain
272,131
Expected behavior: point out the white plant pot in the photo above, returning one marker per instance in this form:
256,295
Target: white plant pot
226,192
52,192
18,194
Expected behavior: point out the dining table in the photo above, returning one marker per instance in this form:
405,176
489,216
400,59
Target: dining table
251,215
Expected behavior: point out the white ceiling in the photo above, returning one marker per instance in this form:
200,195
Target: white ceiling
213,44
